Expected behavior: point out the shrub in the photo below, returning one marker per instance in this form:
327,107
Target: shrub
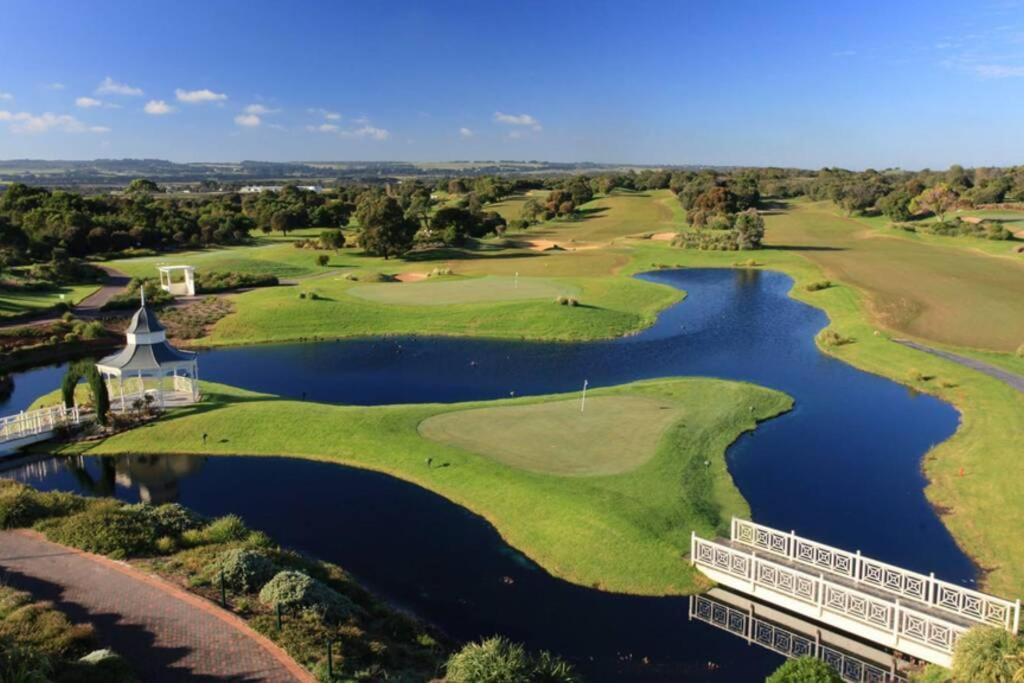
438,272
1020,351
107,528
985,653
833,338
322,260
805,670
294,590
245,570
22,664
217,281
100,666
225,529
170,519
22,506
819,285
37,625
497,660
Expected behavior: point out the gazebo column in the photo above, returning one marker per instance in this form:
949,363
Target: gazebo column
120,386
195,381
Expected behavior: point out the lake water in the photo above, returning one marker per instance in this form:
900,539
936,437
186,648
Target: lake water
843,468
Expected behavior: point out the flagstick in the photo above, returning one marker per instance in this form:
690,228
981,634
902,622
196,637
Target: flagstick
583,398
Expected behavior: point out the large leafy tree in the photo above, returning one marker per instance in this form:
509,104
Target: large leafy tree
805,670
384,229
939,199
987,654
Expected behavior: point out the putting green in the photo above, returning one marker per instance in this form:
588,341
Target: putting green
437,292
614,434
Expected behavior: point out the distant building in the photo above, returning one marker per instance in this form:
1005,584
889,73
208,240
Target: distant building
256,189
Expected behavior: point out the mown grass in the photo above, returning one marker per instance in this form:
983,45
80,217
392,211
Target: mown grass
625,532
439,292
14,301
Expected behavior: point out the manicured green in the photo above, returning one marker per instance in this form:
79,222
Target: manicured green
602,435
445,291
626,532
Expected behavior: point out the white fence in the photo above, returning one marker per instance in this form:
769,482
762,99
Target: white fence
820,597
34,422
942,595
787,642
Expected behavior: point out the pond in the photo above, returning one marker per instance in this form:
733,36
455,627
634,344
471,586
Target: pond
843,468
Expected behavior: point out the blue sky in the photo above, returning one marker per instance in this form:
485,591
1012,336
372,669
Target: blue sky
855,84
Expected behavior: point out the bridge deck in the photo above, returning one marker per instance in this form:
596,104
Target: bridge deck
916,605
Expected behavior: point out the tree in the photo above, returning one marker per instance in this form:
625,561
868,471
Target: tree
453,224
332,239
749,227
322,260
938,199
805,670
384,229
896,206
100,397
986,653
531,210
283,221
142,186
456,186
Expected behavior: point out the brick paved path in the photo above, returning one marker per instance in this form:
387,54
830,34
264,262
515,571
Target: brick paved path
166,633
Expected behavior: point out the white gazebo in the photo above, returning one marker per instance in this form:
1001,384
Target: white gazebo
185,286
148,355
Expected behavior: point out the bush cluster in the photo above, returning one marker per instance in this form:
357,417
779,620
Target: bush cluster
246,570
293,590
169,519
833,338
216,281
805,670
818,286
23,506
563,300
107,528
497,660
989,230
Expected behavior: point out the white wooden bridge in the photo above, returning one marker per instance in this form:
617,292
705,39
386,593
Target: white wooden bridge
25,428
913,613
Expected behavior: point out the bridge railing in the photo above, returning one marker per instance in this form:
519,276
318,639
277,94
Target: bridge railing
885,615
965,602
34,422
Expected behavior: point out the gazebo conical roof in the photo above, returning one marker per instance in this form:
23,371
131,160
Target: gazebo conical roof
147,348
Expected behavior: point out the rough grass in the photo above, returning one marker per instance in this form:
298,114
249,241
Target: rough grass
922,288
463,290
626,532
611,435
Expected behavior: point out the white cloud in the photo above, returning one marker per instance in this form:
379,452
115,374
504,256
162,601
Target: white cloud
999,71
466,132
53,86
323,128
367,131
158,108
6,96
515,134
25,122
517,120
87,102
108,86
199,96
327,114
259,109
248,120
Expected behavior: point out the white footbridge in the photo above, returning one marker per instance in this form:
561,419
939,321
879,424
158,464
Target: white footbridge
33,426
913,613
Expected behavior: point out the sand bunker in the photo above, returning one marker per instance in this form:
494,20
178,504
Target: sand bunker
664,236
411,277
550,245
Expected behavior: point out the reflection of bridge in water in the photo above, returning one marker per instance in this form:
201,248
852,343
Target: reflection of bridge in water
903,610
790,636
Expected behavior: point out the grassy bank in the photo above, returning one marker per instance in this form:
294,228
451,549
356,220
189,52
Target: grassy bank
623,532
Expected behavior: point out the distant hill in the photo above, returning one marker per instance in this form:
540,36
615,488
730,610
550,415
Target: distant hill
113,173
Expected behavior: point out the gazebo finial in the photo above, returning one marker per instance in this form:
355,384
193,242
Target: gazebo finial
142,292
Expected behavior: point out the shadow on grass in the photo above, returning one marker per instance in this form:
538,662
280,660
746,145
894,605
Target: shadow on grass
800,247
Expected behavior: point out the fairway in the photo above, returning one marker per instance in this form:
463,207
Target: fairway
461,291
941,293
16,302
613,434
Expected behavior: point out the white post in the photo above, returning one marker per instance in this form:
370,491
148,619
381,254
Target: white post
896,619
120,388
583,398
856,568
515,282
792,544
931,588
1016,617
195,382
693,547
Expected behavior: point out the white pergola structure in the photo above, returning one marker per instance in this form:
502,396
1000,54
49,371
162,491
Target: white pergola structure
148,355
186,286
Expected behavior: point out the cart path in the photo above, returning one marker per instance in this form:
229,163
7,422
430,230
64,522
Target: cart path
1014,380
89,308
163,631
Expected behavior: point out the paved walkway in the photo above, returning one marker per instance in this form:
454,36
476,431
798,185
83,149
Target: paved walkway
1014,380
90,307
166,633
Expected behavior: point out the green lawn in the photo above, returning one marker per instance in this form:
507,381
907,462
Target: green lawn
625,532
16,302
602,435
445,291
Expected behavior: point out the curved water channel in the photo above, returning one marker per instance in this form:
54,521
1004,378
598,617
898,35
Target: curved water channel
843,467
